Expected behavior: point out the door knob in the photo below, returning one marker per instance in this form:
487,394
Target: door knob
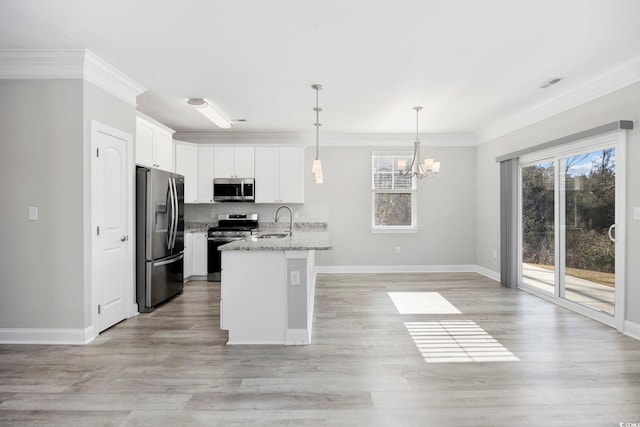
124,238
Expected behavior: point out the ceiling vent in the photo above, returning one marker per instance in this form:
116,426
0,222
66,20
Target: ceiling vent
550,82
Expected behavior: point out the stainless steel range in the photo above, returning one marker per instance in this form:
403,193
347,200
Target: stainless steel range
230,227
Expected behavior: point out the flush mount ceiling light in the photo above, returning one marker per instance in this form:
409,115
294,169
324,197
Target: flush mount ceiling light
418,168
317,165
209,112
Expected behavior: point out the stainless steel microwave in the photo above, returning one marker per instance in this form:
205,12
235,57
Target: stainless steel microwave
233,190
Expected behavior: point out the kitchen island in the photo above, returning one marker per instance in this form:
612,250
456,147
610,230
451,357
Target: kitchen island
268,287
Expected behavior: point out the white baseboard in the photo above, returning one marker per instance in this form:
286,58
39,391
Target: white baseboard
47,336
200,278
297,337
494,275
463,268
632,329
346,269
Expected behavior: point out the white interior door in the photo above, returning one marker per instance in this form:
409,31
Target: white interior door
111,266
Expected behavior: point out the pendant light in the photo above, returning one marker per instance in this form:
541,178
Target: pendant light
418,168
317,164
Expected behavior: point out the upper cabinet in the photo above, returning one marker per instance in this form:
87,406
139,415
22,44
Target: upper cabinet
279,174
205,173
153,143
233,162
186,164
278,170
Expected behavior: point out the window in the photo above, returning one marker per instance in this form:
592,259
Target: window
393,195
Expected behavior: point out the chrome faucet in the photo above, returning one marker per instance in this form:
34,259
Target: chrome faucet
290,217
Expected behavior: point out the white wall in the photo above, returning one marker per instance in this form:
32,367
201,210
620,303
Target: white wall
446,211
41,165
45,133
620,105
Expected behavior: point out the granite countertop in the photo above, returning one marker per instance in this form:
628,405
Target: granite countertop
301,240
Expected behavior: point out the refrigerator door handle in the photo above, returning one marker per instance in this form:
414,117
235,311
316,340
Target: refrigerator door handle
170,214
174,234
173,214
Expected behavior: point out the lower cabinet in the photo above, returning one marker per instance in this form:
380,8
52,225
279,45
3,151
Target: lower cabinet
188,256
200,254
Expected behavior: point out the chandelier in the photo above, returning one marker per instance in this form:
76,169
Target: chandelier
418,168
317,165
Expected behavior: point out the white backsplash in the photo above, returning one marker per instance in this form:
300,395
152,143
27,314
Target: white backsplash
207,213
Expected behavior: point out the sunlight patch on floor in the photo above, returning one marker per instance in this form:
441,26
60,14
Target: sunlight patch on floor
456,341
422,303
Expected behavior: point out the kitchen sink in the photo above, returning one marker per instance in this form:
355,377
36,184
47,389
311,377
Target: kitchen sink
273,236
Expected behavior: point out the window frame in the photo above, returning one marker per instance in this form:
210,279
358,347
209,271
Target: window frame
413,191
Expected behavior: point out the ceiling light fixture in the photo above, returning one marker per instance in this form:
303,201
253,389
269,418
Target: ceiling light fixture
317,165
210,113
418,168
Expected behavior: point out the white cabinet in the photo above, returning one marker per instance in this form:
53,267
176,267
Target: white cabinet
153,143
186,164
234,162
205,173
188,255
279,174
199,253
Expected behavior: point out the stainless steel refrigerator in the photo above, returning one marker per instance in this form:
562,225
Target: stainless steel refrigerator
159,237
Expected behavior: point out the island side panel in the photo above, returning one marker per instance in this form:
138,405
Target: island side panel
253,296
300,295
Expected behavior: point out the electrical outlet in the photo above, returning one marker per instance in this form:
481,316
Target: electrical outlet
495,254
295,277
397,249
33,213
213,215
636,214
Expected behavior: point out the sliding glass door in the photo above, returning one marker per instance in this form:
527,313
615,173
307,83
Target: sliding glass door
570,208
588,209
538,226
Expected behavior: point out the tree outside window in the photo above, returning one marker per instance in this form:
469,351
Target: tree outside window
393,195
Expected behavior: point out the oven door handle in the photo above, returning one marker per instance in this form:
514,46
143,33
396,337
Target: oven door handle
233,239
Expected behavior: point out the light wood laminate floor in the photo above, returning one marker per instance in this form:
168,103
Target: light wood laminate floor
171,367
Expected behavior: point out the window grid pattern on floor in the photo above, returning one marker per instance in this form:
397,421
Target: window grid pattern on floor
456,341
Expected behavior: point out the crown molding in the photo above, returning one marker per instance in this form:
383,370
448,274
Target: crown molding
105,76
329,139
240,137
610,80
154,122
68,64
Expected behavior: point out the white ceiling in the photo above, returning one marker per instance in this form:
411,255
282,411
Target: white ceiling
470,63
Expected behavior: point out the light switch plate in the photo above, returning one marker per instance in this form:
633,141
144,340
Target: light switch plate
33,213
636,214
